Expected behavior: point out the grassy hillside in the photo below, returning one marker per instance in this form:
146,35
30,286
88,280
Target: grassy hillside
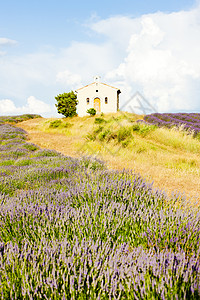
169,157
71,229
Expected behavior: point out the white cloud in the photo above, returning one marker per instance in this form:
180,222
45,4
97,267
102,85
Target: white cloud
162,60
37,106
87,59
6,41
117,29
2,53
47,73
68,78
157,54
32,106
7,106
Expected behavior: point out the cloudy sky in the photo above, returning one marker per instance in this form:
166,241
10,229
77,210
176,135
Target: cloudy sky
48,47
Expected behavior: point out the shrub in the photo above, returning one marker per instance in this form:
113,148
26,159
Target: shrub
59,123
66,125
136,127
91,136
104,134
125,143
123,134
91,111
55,124
143,129
99,121
98,130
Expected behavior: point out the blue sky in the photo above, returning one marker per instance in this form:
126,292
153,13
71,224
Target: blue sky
51,47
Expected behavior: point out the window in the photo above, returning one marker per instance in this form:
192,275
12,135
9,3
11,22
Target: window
106,100
97,91
88,100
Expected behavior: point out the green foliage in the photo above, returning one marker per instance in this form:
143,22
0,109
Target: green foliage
197,136
107,132
143,129
123,134
46,153
99,121
7,162
66,104
98,130
71,229
23,162
136,127
104,134
59,124
116,130
107,135
18,118
125,143
91,111
55,124
91,163
31,147
92,136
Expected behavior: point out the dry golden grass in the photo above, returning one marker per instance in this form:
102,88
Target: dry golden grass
169,158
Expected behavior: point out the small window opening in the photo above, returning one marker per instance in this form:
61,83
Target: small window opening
106,100
88,100
97,91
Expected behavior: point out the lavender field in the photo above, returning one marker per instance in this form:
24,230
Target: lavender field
190,121
71,229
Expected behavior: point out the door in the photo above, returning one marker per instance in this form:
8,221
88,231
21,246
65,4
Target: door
97,105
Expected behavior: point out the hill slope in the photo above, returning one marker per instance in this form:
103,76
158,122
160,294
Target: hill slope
169,157
71,229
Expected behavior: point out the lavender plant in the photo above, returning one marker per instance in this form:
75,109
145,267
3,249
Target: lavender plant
17,119
190,121
71,229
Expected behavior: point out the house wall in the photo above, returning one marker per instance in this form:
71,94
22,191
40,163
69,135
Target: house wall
90,92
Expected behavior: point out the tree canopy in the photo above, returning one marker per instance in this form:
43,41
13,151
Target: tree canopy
66,104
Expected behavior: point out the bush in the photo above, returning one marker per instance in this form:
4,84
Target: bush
143,129
136,127
107,135
91,111
99,121
91,137
59,123
125,143
123,134
55,124
98,130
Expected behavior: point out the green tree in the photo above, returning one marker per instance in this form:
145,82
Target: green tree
66,104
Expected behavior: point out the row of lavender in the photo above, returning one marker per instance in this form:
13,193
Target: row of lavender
18,118
190,121
70,229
